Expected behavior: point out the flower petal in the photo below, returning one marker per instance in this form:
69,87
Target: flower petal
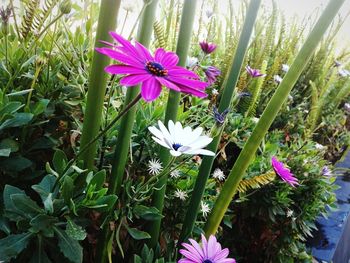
168,84
125,43
169,60
158,55
181,72
132,80
143,51
123,69
125,59
150,89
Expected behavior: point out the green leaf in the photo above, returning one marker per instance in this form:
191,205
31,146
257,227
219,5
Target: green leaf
5,152
26,205
147,213
105,203
137,234
15,164
10,210
74,231
11,107
59,161
43,223
19,119
137,259
45,187
67,189
20,93
48,204
40,106
98,180
70,247
9,143
12,245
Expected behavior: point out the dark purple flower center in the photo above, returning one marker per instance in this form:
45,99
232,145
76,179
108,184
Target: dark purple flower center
156,69
176,146
207,261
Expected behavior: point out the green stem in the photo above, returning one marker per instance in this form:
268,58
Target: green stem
125,129
248,153
183,45
226,99
98,81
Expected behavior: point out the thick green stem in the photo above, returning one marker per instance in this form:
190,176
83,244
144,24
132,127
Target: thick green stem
183,45
125,129
226,98
98,80
248,153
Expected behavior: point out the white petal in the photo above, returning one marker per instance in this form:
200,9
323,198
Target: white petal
178,135
171,128
175,153
165,132
201,142
184,149
156,132
201,151
161,142
197,132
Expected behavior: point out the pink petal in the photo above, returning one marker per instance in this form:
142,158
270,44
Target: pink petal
190,255
125,43
221,255
142,50
197,247
129,60
123,69
169,60
189,82
168,84
150,89
185,260
132,80
158,55
192,250
204,246
211,246
181,72
192,91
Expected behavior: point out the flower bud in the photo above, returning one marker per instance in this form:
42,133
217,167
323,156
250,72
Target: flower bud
66,7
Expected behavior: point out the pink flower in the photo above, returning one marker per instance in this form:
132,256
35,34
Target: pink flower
212,73
284,172
207,48
254,73
152,71
209,252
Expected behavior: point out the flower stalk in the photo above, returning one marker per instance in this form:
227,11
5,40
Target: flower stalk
183,45
225,102
98,81
248,153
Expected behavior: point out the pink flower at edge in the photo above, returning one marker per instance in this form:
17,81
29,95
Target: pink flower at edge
254,73
153,72
212,73
209,252
284,172
206,47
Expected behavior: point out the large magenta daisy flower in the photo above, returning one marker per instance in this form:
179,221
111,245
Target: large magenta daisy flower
152,71
209,252
284,172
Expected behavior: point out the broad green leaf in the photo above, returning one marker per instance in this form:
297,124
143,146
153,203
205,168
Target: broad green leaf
48,204
45,187
26,205
67,189
9,143
10,210
137,259
11,107
75,231
70,247
12,245
15,164
40,106
59,161
105,203
147,213
43,223
98,180
5,152
19,119
137,234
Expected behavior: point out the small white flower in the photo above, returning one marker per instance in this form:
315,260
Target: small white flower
191,62
215,92
181,140
343,72
219,174
154,167
347,107
285,67
180,194
175,174
326,171
277,78
319,146
290,213
205,209
129,7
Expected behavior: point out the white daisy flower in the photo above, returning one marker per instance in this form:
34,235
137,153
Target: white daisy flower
175,174
277,78
181,140
347,107
219,174
191,62
285,67
205,209
180,194
154,167
319,146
